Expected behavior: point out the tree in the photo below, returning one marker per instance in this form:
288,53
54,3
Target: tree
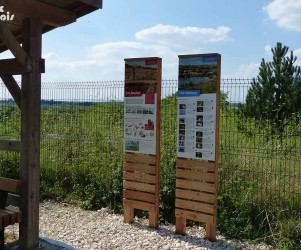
275,95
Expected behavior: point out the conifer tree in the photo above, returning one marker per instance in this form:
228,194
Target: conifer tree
275,94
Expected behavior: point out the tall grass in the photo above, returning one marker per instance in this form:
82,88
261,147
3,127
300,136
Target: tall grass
82,160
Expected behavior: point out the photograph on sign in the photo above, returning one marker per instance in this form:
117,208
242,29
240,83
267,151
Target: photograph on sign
140,100
197,89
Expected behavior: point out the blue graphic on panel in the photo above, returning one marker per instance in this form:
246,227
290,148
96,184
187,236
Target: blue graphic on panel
184,93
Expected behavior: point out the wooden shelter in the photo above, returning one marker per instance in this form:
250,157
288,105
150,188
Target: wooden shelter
24,22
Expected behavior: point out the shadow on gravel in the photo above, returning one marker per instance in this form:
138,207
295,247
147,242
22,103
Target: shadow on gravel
192,240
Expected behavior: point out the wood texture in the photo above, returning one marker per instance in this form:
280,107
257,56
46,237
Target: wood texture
194,216
10,185
10,145
139,158
30,136
142,168
195,175
12,87
13,45
194,185
195,206
140,196
139,205
196,165
195,196
137,186
139,177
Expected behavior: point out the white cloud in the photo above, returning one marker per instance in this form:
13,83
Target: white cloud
248,70
105,61
180,36
297,52
286,13
267,49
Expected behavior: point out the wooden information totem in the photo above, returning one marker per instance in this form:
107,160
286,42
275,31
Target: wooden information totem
197,141
141,175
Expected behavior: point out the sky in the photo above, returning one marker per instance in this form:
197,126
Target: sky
242,31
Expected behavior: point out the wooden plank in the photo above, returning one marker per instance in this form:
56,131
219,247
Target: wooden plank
195,175
12,215
95,3
140,196
139,177
5,219
17,212
142,168
13,67
10,145
195,206
195,195
49,14
196,165
138,158
30,136
139,205
195,185
14,46
194,216
10,185
137,186
12,87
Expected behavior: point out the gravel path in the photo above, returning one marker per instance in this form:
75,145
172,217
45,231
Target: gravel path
101,229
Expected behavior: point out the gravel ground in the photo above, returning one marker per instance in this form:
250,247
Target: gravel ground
101,229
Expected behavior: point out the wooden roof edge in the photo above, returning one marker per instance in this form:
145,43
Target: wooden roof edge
95,3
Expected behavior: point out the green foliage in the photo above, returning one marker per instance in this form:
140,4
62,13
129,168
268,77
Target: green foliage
259,179
276,92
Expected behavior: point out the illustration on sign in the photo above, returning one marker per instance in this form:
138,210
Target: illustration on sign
140,106
197,107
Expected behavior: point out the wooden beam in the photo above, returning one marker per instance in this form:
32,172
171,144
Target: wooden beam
30,136
14,46
13,67
49,14
10,145
95,3
13,88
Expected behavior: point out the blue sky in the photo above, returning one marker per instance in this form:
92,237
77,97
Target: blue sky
242,31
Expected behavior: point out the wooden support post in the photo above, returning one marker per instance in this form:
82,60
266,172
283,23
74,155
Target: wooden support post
30,136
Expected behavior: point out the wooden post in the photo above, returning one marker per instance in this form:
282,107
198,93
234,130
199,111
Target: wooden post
30,136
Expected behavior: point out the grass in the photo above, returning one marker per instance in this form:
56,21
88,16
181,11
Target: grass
259,173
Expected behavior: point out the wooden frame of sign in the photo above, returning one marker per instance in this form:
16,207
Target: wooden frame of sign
141,173
198,141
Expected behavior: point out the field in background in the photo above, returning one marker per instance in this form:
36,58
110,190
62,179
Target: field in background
82,157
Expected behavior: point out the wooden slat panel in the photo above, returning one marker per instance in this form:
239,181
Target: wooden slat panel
195,185
139,186
144,159
197,165
139,177
5,219
10,145
12,216
139,205
10,185
140,196
195,175
195,206
17,212
140,168
196,196
194,216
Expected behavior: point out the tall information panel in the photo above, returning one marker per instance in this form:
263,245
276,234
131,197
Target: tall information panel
197,141
141,175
